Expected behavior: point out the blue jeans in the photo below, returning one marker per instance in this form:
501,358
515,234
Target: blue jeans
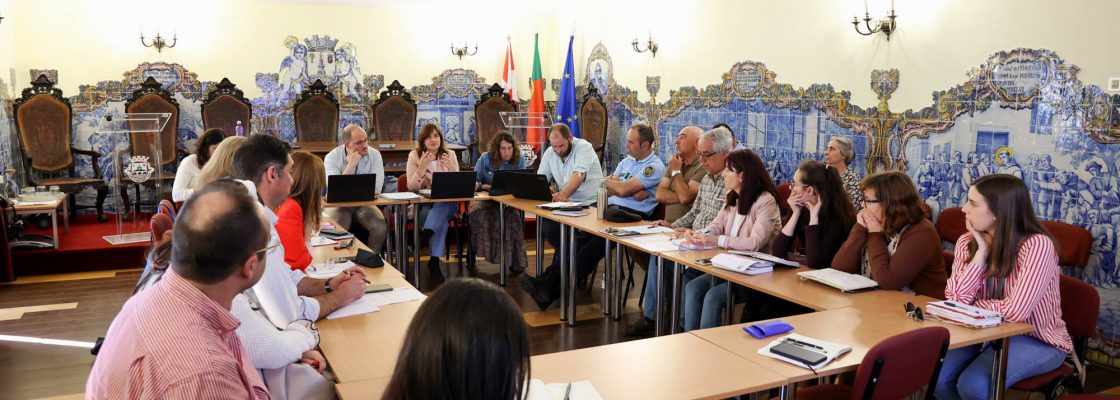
704,302
967,371
435,217
649,304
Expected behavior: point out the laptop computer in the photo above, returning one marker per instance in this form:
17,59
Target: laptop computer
451,185
501,184
349,188
531,186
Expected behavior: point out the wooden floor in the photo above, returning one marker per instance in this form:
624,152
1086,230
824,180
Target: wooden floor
33,371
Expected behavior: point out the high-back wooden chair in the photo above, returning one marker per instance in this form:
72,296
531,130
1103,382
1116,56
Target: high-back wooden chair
224,106
394,114
593,120
44,127
152,98
317,114
487,113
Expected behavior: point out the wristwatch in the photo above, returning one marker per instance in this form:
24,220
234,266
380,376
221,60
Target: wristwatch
327,286
674,173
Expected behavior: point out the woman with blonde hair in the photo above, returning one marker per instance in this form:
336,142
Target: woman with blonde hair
504,153
298,217
221,161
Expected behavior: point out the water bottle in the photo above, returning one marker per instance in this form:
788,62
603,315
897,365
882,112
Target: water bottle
11,188
601,201
239,130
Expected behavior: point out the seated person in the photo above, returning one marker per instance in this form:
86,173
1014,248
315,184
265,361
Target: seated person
186,176
749,221
639,172
683,174
892,242
221,161
839,156
816,195
432,156
712,150
467,341
1007,262
355,156
176,340
264,166
297,218
504,153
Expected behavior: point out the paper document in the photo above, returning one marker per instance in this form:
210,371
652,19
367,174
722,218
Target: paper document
647,230
327,270
767,257
35,203
400,196
364,305
561,204
830,350
570,213
582,390
397,295
742,264
317,241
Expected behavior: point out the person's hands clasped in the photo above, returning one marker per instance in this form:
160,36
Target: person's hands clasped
870,220
641,195
315,359
351,287
796,202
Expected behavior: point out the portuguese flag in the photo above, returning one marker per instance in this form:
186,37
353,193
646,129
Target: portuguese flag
536,136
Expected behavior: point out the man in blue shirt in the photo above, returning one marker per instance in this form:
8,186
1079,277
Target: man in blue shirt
632,188
354,156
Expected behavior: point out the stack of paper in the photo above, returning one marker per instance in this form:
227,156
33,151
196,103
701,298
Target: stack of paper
964,314
372,302
317,241
839,279
327,270
767,257
582,390
570,213
742,264
561,204
647,230
829,350
656,243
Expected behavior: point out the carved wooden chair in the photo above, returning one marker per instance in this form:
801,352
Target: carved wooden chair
224,106
152,98
394,114
317,114
487,112
593,120
43,124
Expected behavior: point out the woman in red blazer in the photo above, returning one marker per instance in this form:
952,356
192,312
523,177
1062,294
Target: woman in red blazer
298,217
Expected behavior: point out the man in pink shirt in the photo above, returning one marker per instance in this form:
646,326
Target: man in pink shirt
177,339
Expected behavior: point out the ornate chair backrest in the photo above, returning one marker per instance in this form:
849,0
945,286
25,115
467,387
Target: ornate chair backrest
224,106
593,119
43,123
394,114
152,98
316,113
487,112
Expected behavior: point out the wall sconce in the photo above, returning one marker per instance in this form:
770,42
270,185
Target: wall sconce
885,25
463,51
159,43
651,46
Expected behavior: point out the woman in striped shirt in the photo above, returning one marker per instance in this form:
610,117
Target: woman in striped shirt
1007,262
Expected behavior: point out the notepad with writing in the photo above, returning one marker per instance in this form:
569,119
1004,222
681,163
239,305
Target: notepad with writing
839,279
742,264
581,390
793,347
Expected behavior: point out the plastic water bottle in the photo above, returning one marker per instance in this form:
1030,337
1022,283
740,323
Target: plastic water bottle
239,130
601,201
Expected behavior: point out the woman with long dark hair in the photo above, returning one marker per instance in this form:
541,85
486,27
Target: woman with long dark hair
816,195
467,341
431,156
892,241
749,220
504,153
186,177
1007,262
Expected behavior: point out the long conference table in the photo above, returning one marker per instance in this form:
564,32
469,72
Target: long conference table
709,363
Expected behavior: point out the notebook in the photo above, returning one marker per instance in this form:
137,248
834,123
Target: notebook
794,348
963,314
766,257
742,264
839,279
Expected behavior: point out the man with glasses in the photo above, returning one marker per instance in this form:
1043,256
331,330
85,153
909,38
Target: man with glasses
176,340
713,149
354,156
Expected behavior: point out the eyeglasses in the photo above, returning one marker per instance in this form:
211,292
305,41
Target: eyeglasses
914,312
872,201
346,244
264,251
707,154
799,185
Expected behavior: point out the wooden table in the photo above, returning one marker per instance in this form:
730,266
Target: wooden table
366,346
668,367
51,209
398,153
369,389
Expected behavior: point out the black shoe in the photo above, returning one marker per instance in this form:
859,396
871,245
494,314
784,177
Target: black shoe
433,269
516,269
642,327
102,218
539,294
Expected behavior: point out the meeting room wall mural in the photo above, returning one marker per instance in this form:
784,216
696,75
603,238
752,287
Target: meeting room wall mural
1021,111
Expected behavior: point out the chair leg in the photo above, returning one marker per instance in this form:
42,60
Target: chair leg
102,192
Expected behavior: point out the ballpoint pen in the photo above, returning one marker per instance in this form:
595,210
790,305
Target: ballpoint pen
568,391
798,342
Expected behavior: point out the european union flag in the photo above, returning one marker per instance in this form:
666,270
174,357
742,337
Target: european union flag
566,109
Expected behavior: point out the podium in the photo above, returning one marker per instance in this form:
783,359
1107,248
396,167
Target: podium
136,155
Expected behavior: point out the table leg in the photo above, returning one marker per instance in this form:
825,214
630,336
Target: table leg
999,367
730,302
675,310
402,237
564,266
416,245
620,284
540,245
54,227
659,304
788,392
502,248
66,216
572,271
608,288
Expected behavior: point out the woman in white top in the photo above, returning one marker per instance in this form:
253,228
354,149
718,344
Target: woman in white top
186,178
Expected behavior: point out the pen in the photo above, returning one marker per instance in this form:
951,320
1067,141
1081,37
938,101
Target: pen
568,391
795,341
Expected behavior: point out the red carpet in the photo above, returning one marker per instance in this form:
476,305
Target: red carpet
83,249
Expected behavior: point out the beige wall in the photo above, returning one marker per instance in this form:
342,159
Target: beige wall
804,41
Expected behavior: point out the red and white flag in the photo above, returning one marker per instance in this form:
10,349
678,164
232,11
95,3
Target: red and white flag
509,79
